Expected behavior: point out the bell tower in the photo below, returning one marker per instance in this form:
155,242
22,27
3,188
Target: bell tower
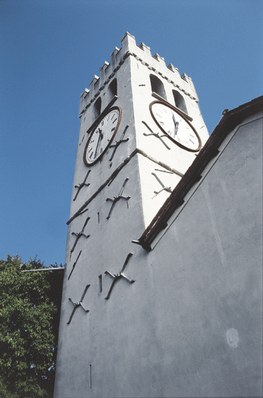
140,130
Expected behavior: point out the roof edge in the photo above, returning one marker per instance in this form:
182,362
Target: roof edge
229,121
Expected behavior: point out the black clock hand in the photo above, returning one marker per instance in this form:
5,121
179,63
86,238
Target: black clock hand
176,126
98,142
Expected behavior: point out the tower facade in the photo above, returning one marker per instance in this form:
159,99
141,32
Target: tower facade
140,130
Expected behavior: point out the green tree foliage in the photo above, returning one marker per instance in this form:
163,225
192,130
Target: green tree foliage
29,316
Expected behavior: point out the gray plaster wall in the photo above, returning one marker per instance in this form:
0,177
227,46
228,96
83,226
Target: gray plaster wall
209,289
98,336
191,323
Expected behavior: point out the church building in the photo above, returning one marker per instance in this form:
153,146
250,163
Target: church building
162,293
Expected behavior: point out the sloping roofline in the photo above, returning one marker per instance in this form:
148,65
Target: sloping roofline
229,121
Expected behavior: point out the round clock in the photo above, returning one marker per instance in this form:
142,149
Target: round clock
175,126
101,136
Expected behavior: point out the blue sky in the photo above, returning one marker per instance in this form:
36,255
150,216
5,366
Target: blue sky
50,51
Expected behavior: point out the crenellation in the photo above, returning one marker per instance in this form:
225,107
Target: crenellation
145,48
115,55
184,77
106,73
86,92
128,42
84,98
160,59
93,81
93,88
143,54
104,68
189,80
173,68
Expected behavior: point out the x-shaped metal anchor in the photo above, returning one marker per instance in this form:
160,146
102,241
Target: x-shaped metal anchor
115,199
157,135
78,304
79,235
81,185
117,143
164,188
118,276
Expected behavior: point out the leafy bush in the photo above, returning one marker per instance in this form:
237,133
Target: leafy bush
29,317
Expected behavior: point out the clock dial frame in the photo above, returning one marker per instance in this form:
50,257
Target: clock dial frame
102,135
175,126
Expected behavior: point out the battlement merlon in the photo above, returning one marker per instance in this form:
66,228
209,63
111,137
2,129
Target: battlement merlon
142,53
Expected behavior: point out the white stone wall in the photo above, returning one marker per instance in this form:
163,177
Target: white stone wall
108,342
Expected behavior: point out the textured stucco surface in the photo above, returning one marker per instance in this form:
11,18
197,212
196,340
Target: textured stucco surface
191,323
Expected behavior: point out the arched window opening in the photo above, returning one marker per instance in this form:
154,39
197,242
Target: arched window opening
97,107
113,87
179,101
157,86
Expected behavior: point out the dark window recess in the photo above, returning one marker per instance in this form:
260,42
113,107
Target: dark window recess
113,87
97,107
179,101
157,86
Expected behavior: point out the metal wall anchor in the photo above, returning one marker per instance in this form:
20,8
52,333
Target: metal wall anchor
118,276
164,171
115,199
164,188
78,304
81,185
74,265
79,235
117,143
157,135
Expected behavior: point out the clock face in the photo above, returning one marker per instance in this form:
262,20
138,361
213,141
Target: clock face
101,136
178,129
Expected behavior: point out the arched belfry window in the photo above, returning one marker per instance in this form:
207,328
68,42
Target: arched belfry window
179,101
113,87
157,86
97,107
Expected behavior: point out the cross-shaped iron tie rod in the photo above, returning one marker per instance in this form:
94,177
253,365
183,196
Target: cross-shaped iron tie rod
164,188
157,135
115,199
78,304
118,276
81,185
117,143
80,234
